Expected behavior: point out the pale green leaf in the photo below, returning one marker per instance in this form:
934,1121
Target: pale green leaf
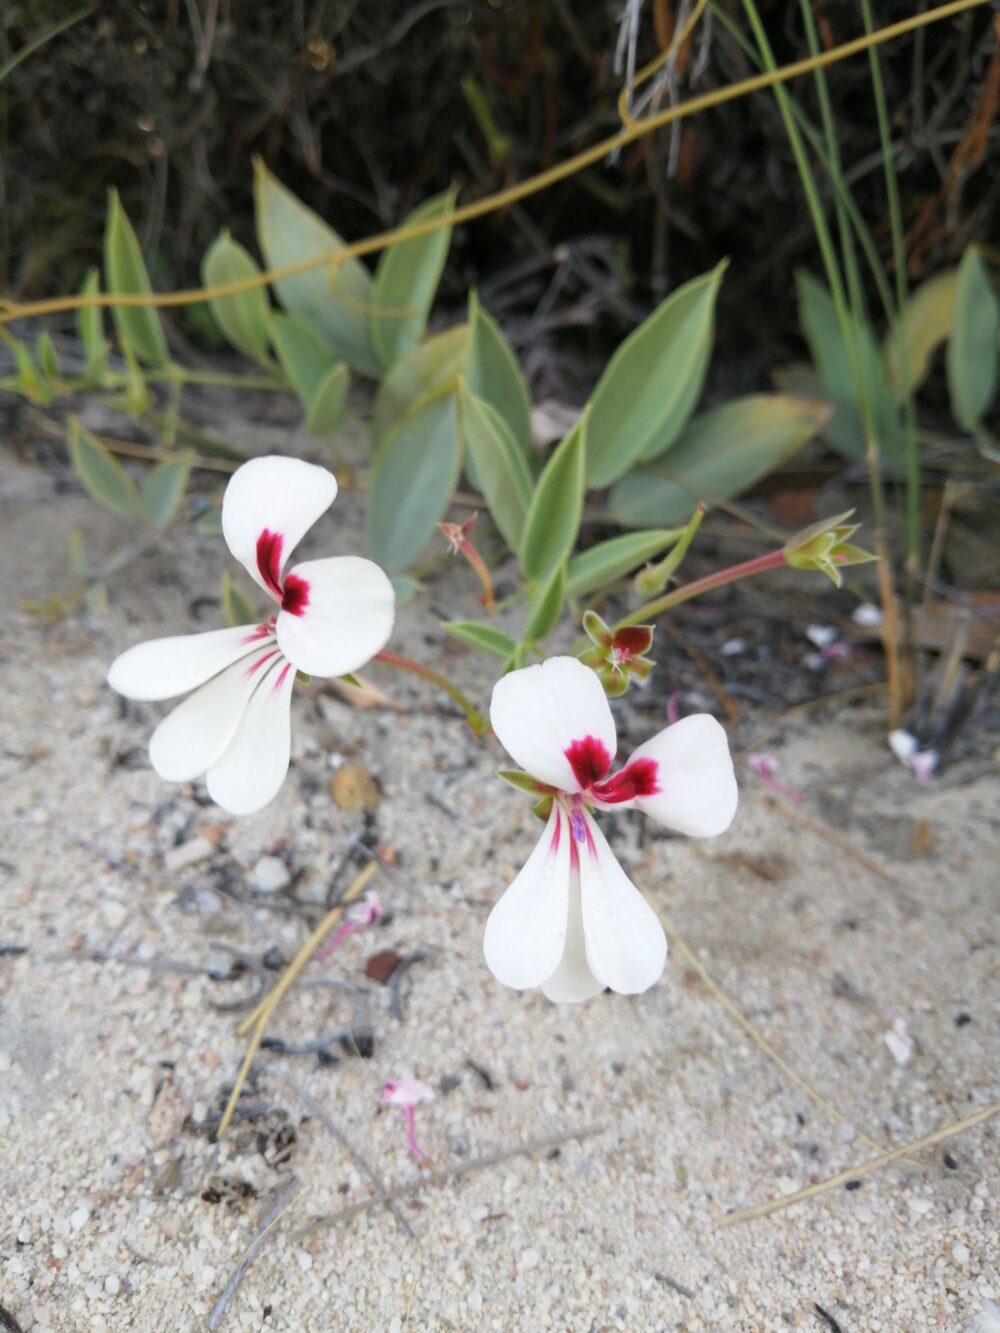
95,599
326,408
90,329
303,355
653,381
613,559
414,474
125,271
237,608
501,471
405,588
545,606
30,383
494,374
417,376
334,301
720,454
553,521
243,317
405,282
926,324
100,473
486,638
48,360
163,489
78,561
972,348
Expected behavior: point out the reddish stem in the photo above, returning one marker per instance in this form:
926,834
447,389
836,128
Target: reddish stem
746,570
472,716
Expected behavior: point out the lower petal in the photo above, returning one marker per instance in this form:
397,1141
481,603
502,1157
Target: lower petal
190,739
626,946
164,668
526,931
341,615
252,768
573,981
694,775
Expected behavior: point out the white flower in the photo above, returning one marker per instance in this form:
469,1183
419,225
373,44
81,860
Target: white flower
333,616
572,922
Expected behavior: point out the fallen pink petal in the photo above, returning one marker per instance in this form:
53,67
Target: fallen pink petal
365,912
407,1094
766,766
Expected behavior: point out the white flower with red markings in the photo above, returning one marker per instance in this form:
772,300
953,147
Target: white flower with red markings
332,616
573,922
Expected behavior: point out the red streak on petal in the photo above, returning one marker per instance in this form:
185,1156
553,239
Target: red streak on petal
254,667
574,856
556,835
589,760
269,546
636,779
296,595
281,676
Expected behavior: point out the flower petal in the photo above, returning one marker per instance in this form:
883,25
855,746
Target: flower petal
191,738
269,505
253,765
526,930
554,720
343,616
696,784
164,668
573,981
626,946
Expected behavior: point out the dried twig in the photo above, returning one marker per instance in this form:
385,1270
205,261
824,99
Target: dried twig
267,1222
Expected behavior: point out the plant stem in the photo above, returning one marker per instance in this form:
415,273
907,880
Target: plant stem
746,570
472,715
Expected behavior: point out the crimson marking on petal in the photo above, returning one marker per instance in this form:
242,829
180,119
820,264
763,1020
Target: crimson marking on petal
556,836
269,546
636,779
589,760
296,595
632,641
281,676
256,666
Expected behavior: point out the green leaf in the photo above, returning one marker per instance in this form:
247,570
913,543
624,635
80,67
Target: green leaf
405,282
405,588
95,599
412,481
613,559
501,471
720,454
485,638
334,302
653,381
31,384
48,360
494,374
125,271
243,317
90,329
100,473
972,348
556,508
237,608
326,407
78,561
913,339
163,489
303,355
546,604
417,376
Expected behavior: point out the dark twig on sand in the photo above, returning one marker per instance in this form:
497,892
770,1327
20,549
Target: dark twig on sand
267,1222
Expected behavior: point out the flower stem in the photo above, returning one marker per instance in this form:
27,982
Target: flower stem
411,1134
760,563
472,715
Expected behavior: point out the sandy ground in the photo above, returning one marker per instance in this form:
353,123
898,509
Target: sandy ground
874,904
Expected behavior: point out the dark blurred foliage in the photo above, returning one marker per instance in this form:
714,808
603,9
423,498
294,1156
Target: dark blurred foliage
365,107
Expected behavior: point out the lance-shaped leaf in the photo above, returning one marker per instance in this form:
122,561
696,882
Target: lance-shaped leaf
29,381
925,324
125,271
90,329
405,282
501,471
545,607
494,374
615,558
163,489
652,382
553,521
243,317
333,301
48,357
720,454
326,407
420,374
486,638
303,355
237,609
412,481
100,473
972,348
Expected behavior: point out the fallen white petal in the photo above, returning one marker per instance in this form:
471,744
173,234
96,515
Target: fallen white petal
280,496
539,712
190,739
573,981
626,946
164,668
348,611
526,930
252,768
697,786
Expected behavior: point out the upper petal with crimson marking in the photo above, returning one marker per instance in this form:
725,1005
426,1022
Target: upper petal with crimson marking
342,616
695,783
269,506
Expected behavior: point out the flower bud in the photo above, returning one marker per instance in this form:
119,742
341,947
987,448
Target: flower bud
824,546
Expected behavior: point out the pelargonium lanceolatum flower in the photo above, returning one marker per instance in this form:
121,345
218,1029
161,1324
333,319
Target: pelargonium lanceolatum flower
573,922
332,616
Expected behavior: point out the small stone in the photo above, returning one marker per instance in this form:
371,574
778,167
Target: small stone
112,1284
188,854
79,1217
960,1253
529,1259
305,1260
380,966
270,875
353,788
920,1206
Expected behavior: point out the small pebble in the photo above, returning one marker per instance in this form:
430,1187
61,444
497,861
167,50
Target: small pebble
188,854
112,1284
79,1217
270,875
